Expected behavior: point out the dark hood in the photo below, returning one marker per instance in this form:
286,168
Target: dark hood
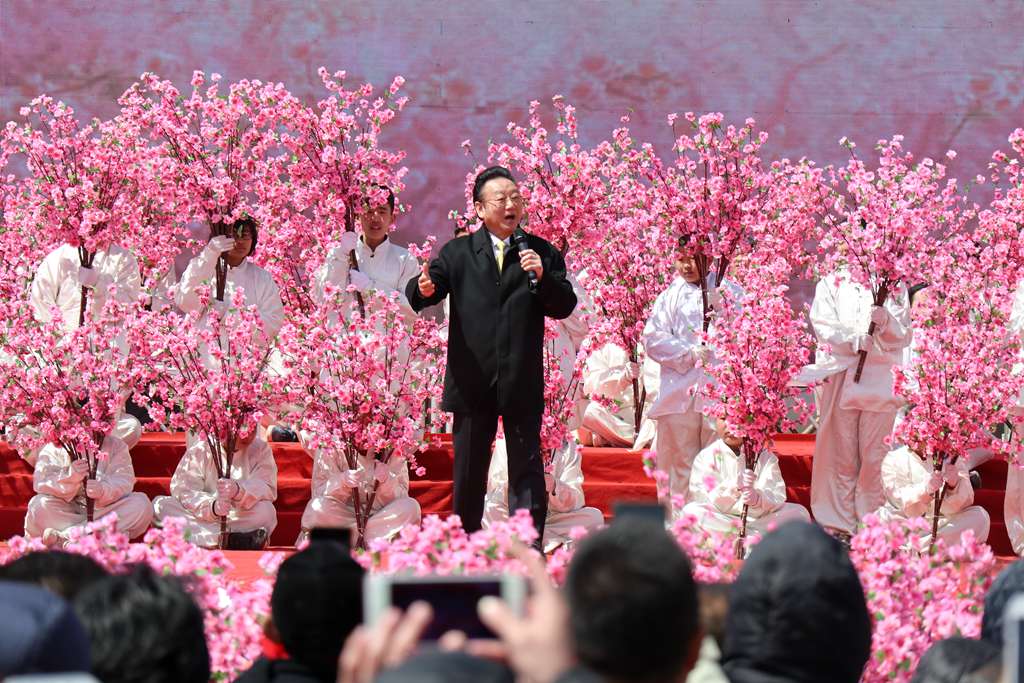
797,612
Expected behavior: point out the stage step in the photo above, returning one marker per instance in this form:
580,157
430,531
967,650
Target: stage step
610,474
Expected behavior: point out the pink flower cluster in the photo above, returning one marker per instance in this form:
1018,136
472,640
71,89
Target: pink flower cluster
363,386
233,612
917,597
442,546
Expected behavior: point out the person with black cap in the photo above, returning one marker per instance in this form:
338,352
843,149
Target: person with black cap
317,602
797,612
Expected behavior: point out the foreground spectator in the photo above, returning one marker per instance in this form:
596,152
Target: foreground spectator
957,660
797,597
1009,583
316,604
144,627
39,633
633,604
63,573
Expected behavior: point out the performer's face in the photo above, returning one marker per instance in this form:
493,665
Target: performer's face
243,245
376,222
686,266
729,439
500,206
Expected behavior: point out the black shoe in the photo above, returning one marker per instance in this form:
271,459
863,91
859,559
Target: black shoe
283,435
247,540
975,479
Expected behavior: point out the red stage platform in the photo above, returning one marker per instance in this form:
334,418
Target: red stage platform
610,474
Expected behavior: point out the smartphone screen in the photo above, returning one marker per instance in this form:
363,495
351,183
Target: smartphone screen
454,605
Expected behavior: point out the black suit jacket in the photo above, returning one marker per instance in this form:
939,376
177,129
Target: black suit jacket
496,331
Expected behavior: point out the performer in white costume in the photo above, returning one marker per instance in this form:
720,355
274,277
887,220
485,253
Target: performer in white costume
721,484
201,498
58,284
910,484
334,485
672,337
1013,501
609,375
258,285
566,506
381,265
60,500
854,417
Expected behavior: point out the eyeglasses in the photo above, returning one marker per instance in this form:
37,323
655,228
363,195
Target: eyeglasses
502,201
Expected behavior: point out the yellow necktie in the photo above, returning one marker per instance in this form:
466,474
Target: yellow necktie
499,254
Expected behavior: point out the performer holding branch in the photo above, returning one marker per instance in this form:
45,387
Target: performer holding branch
854,417
495,343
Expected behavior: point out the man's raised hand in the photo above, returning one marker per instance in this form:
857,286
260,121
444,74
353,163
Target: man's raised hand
426,285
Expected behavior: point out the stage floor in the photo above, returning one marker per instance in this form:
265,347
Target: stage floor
610,474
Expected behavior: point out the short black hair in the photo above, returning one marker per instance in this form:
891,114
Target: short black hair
632,602
63,573
144,627
913,290
954,659
1008,583
316,603
247,224
391,195
487,174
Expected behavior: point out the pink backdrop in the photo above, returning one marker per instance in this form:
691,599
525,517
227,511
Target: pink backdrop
942,72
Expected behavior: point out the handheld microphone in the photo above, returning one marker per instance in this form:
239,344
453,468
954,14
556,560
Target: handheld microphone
519,239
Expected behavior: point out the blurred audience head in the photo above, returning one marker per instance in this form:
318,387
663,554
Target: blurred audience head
633,604
144,627
1009,583
60,572
39,633
316,603
797,597
959,660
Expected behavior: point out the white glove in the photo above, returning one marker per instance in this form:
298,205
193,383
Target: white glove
380,472
701,353
934,482
360,280
862,342
880,317
88,277
747,480
220,244
632,370
80,469
351,478
221,507
951,474
750,498
93,488
549,482
228,489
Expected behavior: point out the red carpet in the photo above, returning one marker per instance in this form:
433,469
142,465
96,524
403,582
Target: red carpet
610,473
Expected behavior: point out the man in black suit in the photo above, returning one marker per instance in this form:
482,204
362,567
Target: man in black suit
496,345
